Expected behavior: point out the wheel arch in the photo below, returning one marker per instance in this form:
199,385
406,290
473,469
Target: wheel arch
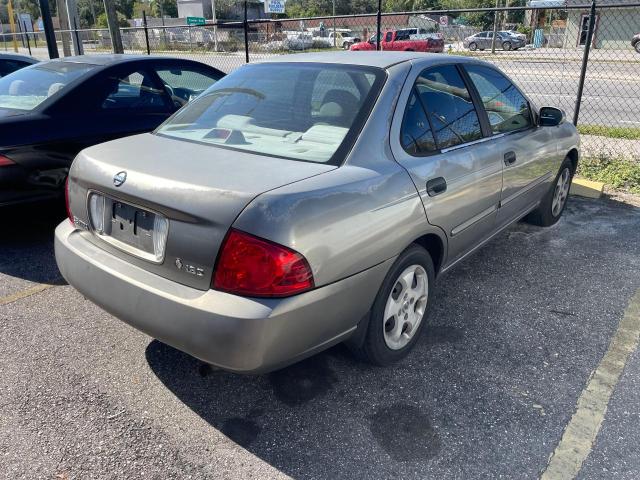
433,244
573,156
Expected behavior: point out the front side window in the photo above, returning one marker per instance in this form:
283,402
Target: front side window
506,107
185,84
134,92
28,87
450,108
294,110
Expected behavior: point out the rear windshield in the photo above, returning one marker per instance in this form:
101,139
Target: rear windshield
309,112
27,88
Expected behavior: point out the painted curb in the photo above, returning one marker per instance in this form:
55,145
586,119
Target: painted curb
586,188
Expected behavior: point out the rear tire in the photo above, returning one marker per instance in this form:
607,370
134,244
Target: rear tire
554,202
400,309
637,47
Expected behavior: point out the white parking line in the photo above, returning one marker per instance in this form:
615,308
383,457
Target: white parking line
581,432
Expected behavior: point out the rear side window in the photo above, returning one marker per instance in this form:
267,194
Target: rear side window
10,66
449,106
134,91
507,109
416,136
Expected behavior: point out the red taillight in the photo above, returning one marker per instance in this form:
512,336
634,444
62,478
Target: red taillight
66,200
254,267
5,162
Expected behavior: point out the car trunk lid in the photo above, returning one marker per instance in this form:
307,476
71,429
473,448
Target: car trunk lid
199,189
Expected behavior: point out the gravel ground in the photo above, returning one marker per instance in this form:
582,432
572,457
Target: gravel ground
513,337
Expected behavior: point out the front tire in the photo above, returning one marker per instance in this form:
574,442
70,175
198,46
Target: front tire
637,47
506,46
554,202
401,307
473,46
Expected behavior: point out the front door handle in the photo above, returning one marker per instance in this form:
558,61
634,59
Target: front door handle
510,158
436,186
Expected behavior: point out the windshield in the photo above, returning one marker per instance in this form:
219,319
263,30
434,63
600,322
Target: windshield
292,110
27,88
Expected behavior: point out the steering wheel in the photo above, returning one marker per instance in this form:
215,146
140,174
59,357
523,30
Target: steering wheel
178,102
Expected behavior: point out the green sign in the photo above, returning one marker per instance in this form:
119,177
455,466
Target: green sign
195,21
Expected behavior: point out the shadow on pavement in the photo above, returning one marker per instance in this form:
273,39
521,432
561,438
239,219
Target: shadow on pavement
26,241
512,338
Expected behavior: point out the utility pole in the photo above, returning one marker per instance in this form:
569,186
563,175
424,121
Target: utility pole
74,20
114,28
215,27
334,23
495,27
49,34
63,18
12,23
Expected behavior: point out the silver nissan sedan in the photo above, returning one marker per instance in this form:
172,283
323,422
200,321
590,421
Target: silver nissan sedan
310,200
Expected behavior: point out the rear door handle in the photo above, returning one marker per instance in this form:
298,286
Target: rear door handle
436,186
510,158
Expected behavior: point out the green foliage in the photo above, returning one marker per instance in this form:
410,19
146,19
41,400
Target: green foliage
28,6
628,133
524,30
102,20
168,8
619,173
125,7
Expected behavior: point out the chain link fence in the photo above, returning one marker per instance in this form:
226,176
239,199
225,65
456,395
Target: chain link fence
568,56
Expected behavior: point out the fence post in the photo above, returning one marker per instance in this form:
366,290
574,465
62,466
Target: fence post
379,26
495,27
26,35
246,34
585,61
146,31
78,43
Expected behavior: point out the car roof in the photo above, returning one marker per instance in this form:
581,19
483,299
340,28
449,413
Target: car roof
15,56
383,59
112,59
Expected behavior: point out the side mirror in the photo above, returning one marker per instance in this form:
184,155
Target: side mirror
550,117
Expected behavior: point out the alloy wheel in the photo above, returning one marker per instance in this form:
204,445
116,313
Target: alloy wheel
405,307
561,192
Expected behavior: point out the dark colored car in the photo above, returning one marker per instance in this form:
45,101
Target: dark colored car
10,62
635,42
50,111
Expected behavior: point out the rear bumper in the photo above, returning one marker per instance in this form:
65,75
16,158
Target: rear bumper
239,334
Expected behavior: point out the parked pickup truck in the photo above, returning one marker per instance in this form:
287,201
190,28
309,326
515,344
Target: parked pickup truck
404,40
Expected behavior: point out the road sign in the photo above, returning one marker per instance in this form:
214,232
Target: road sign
274,6
196,21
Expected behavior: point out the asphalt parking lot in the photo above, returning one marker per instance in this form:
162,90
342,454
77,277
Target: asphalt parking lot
513,338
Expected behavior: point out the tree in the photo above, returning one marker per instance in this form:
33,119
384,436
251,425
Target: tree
102,21
168,8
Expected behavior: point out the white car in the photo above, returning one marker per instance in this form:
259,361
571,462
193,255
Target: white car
343,39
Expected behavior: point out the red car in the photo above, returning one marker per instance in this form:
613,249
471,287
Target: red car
408,40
